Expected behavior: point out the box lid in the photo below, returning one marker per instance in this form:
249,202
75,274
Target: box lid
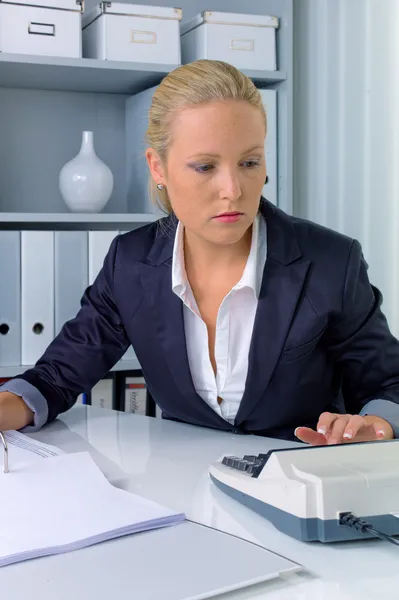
75,5
132,10
225,18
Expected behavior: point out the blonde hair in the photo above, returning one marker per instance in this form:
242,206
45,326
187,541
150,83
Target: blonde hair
195,83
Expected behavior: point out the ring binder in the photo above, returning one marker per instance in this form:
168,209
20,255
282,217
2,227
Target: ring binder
5,446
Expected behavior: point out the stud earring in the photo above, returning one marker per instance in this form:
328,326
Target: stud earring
160,186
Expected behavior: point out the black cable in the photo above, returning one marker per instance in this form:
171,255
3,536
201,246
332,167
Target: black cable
349,520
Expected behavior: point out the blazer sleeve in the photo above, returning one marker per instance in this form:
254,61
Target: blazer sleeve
361,343
87,347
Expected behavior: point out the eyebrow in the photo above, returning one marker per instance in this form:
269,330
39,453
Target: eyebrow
210,155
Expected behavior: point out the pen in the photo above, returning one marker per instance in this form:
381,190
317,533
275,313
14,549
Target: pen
5,452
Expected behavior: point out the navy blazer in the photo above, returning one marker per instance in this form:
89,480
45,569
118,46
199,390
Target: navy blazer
320,341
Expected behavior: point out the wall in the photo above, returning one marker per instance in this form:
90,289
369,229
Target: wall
346,115
41,130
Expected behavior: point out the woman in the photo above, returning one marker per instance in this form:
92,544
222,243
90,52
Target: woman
242,317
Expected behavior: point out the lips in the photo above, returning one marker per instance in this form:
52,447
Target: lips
229,214
229,217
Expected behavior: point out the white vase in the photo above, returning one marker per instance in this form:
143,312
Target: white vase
86,182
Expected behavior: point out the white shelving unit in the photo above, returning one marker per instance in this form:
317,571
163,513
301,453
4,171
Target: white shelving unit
74,221
91,75
46,103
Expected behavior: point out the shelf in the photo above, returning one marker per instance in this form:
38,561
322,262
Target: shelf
92,75
122,365
74,221
78,74
264,77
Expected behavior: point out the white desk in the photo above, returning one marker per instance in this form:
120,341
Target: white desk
168,462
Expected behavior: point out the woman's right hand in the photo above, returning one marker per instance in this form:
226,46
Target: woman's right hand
14,413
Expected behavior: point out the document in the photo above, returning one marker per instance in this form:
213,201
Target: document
24,449
54,502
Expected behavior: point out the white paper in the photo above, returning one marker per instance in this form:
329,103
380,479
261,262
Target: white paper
65,502
23,449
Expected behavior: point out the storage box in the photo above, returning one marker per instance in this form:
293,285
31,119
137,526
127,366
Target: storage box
41,27
245,41
132,32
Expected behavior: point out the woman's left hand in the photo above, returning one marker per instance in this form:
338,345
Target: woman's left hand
338,429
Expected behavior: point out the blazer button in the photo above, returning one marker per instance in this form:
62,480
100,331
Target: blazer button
236,430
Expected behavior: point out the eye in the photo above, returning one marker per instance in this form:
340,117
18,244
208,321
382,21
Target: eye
203,168
251,164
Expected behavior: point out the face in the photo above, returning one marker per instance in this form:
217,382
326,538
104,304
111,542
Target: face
215,169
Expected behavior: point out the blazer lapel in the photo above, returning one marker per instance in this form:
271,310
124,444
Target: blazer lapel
167,308
283,280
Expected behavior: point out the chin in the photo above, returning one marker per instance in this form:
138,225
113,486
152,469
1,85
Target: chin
225,238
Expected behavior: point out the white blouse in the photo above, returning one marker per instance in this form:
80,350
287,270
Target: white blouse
233,335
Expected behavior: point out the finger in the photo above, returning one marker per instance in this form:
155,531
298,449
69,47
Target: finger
310,436
353,427
380,431
326,421
337,431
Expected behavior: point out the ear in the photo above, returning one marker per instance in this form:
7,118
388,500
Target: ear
155,165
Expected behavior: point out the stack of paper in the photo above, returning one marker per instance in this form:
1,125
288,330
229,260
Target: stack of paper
64,503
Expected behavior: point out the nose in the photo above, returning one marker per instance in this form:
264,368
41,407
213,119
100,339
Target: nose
230,185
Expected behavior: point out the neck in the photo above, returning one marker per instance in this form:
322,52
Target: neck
202,256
